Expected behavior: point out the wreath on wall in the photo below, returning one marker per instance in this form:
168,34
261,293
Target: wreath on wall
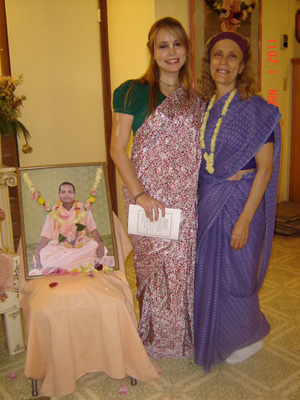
238,13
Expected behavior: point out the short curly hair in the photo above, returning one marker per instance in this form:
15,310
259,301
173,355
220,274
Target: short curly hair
246,84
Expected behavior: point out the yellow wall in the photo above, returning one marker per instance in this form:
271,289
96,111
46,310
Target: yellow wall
178,9
128,26
55,44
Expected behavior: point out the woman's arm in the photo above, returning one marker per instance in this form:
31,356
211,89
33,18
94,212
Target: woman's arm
120,137
264,166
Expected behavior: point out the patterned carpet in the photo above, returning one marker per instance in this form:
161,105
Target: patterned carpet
272,374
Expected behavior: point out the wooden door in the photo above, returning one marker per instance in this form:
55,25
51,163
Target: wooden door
294,193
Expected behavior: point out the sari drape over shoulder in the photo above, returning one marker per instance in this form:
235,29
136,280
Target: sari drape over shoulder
227,314
166,158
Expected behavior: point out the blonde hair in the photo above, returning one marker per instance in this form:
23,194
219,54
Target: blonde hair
245,83
151,76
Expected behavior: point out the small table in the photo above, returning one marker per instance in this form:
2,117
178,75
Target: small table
83,324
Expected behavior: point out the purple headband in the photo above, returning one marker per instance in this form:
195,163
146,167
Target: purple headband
232,36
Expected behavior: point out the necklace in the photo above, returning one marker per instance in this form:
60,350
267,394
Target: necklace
170,86
209,158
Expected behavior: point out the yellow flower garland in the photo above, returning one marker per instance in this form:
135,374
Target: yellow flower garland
77,219
209,158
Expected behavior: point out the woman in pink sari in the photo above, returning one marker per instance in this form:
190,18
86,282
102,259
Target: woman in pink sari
165,116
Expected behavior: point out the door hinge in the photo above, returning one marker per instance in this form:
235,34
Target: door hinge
99,15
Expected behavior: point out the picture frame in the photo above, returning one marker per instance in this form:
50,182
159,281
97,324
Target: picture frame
46,180
204,23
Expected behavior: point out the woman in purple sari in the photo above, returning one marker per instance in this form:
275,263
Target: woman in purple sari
238,181
165,116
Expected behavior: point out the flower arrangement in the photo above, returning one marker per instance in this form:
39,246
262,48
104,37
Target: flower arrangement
89,269
242,15
10,108
69,230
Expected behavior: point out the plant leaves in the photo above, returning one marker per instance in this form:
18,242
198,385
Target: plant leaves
80,227
61,238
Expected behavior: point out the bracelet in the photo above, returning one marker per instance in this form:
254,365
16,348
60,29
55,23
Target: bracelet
138,195
99,240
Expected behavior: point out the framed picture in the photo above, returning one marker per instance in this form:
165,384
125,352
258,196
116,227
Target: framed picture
297,32
205,22
69,223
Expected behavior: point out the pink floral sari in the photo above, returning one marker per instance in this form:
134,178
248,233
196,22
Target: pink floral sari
166,158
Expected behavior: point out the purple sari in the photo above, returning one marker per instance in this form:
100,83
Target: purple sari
166,158
227,313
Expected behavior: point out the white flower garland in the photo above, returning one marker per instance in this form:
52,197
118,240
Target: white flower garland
209,158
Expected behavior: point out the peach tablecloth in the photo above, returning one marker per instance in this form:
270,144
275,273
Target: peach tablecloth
82,325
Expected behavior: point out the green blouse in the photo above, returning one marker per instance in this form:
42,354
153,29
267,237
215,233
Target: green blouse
137,104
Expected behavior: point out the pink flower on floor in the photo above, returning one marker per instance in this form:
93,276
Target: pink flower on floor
69,231
13,375
123,390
